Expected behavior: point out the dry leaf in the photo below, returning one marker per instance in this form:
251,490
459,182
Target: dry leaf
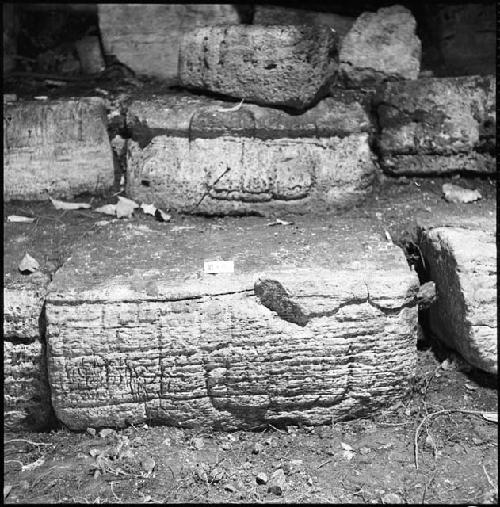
107,209
279,222
348,455
20,219
69,205
28,264
198,443
6,490
161,216
149,209
148,464
30,466
346,447
455,193
125,207
491,416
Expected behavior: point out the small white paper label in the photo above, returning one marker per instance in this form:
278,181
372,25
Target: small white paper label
213,267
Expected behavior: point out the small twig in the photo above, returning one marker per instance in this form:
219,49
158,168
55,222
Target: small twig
231,109
113,491
394,424
210,188
488,478
324,463
433,414
427,485
24,440
277,429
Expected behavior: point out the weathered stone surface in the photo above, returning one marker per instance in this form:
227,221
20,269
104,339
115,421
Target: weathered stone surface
57,148
438,125
462,262
380,46
25,387
276,15
281,65
307,330
187,154
146,37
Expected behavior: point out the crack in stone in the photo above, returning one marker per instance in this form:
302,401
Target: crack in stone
276,298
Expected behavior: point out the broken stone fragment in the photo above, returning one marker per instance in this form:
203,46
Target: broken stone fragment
462,263
426,295
188,155
277,482
279,65
437,125
265,344
380,46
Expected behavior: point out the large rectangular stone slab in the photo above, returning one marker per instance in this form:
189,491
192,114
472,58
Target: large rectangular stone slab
146,37
462,261
56,148
188,154
308,328
279,65
438,125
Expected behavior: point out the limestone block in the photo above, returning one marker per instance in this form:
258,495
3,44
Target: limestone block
281,65
380,46
462,263
25,387
438,125
146,37
188,154
56,148
298,332
276,15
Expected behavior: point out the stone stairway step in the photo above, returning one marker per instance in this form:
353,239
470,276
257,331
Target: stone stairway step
400,209
280,65
56,148
190,155
307,328
462,259
438,125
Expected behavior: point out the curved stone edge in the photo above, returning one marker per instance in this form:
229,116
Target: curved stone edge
462,263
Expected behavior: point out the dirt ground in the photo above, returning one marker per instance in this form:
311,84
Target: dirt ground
440,427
